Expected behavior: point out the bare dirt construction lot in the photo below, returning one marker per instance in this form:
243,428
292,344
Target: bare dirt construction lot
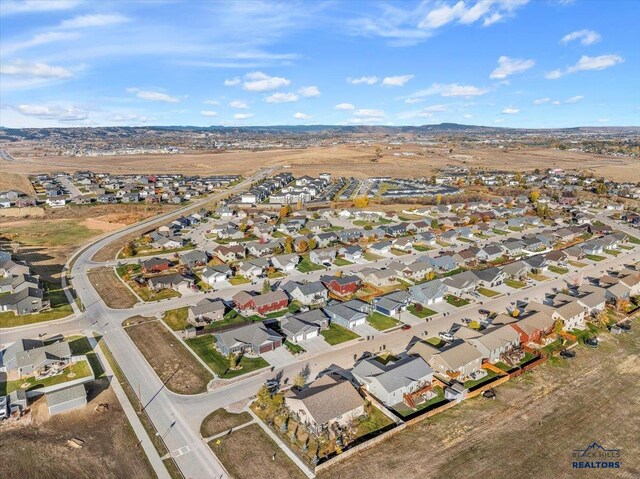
40,449
111,289
172,362
46,242
247,453
346,160
532,427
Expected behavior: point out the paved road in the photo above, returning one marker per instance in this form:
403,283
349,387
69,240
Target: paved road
179,417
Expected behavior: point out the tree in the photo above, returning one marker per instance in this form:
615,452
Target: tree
288,245
558,326
438,199
434,224
302,246
284,211
266,286
534,195
515,313
263,395
602,319
622,305
430,275
233,361
475,325
361,201
129,249
299,381
433,179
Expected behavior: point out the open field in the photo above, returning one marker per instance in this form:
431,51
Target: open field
113,292
348,160
532,427
109,450
221,420
171,361
248,453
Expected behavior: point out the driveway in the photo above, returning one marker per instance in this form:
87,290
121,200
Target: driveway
367,330
315,345
279,357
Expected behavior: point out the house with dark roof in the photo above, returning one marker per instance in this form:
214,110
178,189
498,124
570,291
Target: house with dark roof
206,311
155,265
31,356
428,293
349,314
302,326
26,301
194,258
490,277
341,285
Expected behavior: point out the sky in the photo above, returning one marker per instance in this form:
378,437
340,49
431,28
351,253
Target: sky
512,63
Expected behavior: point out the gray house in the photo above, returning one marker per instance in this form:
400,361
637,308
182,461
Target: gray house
303,326
428,293
206,311
66,399
28,356
25,301
348,314
254,338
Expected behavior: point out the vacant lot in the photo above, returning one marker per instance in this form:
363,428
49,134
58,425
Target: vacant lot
532,427
248,453
40,449
113,292
221,420
171,361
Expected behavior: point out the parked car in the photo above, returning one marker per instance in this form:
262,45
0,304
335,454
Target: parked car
484,311
272,384
592,342
406,327
489,394
446,336
567,354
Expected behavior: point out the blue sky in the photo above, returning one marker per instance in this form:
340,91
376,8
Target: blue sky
517,63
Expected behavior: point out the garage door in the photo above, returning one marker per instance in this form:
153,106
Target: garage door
360,322
312,334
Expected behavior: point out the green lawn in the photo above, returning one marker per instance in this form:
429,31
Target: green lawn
489,293
455,301
490,375
437,342
80,345
514,283
294,348
336,334
204,347
558,270
176,319
74,371
421,312
404,411
147,294
612,252
236,280
595,257
372,422
633,239
60,308
538,277
341,262
221,420
230,319
381,322
500,232
419,247
577,264
371,257
306,266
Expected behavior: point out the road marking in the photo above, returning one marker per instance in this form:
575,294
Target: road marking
179,452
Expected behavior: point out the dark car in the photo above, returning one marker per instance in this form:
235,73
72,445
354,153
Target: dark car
489,394
406,327
592,342
484,311
567,354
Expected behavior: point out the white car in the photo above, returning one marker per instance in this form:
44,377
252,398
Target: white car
446,337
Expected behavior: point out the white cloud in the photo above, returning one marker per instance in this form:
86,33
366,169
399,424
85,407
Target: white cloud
53,112
301,116
541,101
499,120
344,106
410,101
555,102
10,7
574,99
309,91
88,21
468,115
211,102
35,70
369,113
130,118
280,97
39,39
258,81
510,110
443,14
586,37
489,11
451,89
398,80
239,104
604,120
368,80
152,95
587,63
510,66
232,81
208,113
364,121
242,116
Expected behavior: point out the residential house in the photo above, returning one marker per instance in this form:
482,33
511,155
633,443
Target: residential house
229,253
351,253
392,304
428,293
349,314
572,315
194,259
307,294
490,277
155,265
214,275
534,327
255,338
303,326
28,357
323,257
341,285
494,342
262,304
459,360
285,262
325,402
390,382
206,311
177,282
461,283
25,301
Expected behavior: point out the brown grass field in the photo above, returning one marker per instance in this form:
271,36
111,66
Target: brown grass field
111,289
532,427
222,420
346,160
39,449
171,361
247,454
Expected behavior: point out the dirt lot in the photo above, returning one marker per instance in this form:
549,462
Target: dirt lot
45,243
111,289
348,160
247,454
532,428
172,362
40,449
